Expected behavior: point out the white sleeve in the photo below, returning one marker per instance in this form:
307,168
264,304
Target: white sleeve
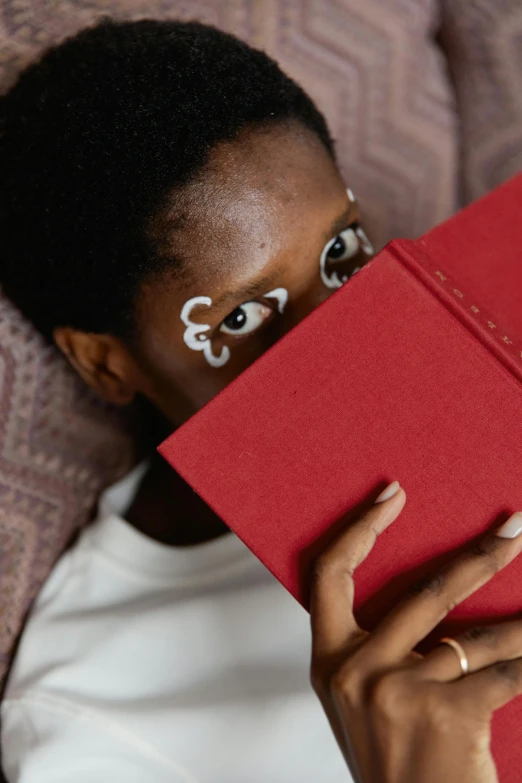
42,743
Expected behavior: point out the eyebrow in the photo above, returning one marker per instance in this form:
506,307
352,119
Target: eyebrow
250,289
342,222
257,287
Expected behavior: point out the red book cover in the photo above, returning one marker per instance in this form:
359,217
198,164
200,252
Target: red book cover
411,371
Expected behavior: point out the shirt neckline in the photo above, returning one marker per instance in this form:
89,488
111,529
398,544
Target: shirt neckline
124,544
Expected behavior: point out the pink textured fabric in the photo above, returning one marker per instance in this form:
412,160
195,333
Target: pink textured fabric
58,446
375,70
483,40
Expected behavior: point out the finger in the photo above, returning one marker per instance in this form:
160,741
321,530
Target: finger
434,598
490,688
332,589
483,646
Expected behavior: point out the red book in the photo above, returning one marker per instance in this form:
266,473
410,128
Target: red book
411,371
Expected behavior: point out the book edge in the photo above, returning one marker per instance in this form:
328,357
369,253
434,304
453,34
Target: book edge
476,319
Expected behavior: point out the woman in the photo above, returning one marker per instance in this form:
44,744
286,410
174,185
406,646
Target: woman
171,207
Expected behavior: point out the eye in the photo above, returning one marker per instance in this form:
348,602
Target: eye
246,318
345,245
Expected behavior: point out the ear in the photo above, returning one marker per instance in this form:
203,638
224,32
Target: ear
102,361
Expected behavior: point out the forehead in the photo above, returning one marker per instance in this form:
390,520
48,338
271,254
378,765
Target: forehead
250,205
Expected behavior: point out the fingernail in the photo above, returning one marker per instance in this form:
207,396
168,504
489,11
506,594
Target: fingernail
512,528
389,492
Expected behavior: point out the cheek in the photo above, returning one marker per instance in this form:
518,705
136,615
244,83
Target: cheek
179,381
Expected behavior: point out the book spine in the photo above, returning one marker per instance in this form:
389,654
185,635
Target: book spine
482,324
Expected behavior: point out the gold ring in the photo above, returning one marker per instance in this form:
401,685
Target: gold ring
463,658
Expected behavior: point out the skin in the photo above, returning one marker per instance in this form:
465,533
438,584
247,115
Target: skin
256,218
400,717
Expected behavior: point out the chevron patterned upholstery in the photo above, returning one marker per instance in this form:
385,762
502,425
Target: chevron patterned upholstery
414,139
483,41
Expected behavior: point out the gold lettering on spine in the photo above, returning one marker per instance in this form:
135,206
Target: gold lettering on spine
475,309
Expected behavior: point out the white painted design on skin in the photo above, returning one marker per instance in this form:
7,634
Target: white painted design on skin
195,337
365,242
281,294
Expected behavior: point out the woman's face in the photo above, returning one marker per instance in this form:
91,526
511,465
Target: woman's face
255,223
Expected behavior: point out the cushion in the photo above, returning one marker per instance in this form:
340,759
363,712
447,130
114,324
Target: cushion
397,142
483,42
59,446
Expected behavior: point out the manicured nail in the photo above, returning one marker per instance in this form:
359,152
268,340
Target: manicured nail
512,528
389,492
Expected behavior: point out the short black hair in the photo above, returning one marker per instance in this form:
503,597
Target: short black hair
93,138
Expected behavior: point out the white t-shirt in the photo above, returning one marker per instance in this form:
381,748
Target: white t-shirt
144,663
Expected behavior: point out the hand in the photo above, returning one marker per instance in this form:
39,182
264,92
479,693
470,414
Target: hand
397,716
